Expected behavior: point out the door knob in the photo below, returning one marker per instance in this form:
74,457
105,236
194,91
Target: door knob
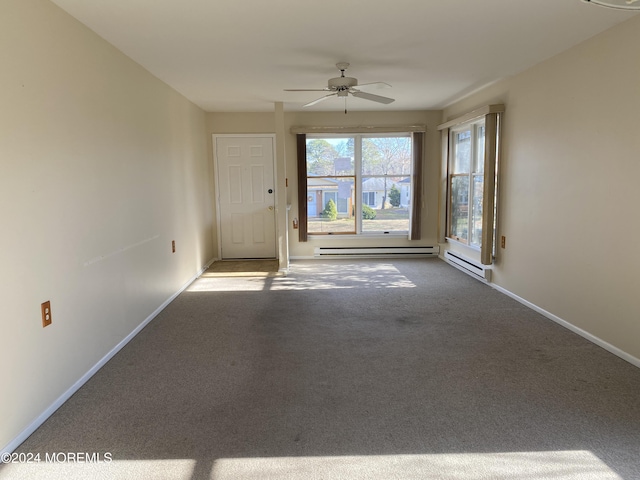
270,190
271,207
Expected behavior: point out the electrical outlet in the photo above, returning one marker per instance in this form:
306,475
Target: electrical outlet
46,313
173,246
503,241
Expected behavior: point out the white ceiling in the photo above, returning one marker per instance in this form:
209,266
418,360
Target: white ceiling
239,55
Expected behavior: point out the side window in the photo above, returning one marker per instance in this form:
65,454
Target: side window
470,159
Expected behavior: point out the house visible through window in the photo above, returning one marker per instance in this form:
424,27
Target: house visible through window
359,184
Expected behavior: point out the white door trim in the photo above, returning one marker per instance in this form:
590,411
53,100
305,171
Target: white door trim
214,138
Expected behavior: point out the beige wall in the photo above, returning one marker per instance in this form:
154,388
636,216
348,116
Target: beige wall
102,167
570,171
233,123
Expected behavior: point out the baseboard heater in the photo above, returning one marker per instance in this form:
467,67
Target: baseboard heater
467,265
372,252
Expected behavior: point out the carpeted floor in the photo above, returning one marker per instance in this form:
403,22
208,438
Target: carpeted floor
403,369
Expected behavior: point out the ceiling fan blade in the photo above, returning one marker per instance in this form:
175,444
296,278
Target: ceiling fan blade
371,96
321,99
375,85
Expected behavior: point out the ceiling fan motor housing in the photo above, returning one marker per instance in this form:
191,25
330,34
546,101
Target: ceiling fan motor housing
342,83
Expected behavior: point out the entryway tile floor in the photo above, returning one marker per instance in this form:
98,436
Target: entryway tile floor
243,268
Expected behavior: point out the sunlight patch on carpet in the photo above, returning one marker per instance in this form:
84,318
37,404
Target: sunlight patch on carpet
322,276
557,465
159,469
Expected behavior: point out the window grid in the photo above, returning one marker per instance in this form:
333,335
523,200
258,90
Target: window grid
360,201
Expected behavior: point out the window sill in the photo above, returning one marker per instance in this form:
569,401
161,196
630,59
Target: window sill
462,244
324,236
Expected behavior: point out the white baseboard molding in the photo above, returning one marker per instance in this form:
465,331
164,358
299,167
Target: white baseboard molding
35,424
583,333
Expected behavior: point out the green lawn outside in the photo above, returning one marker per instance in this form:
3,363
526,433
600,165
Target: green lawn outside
386,220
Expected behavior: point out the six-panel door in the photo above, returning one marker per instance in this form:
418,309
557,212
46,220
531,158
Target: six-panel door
246,197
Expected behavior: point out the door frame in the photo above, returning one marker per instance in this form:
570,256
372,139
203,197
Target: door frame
216,196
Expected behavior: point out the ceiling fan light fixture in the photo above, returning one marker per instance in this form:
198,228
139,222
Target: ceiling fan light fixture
617,4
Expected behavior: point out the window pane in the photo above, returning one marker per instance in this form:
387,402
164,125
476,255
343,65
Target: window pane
378,166
476,210
462,152
386,156
330,207
479,166
386,203
329,156
460,207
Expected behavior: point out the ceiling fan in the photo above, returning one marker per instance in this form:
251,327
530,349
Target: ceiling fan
343,86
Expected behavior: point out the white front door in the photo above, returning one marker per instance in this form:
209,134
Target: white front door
246,196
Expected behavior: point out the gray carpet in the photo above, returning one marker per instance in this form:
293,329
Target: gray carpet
404,369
